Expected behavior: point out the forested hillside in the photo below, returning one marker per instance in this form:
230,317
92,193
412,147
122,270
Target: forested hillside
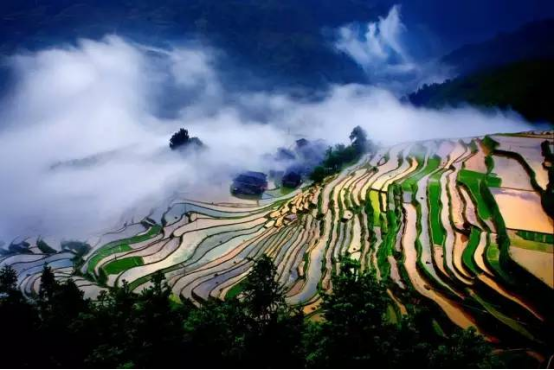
525,87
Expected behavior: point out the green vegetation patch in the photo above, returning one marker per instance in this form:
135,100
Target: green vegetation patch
120,246
435,205
437,328
235,290
473,181
105,253
391,314
375,205
469,251
390,229
532,245
432,164
492,257
489,143
117,266
536,236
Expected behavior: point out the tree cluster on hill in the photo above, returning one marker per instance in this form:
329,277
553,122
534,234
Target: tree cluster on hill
340,155
181,140
59,328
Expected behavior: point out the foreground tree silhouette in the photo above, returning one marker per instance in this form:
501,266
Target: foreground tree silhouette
48,286
216,332
59,307
275,327
354,327
110,329
158,323
150,329
464,348
8,280
355,332
248,332
263,297
18,322
135,330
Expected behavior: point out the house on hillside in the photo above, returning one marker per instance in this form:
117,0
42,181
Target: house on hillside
284,154
292,179
300,143
249,183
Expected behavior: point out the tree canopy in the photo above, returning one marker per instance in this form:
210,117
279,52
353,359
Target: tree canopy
340,155
182,140
255,329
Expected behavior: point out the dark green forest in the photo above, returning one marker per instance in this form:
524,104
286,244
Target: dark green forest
59,328
525,87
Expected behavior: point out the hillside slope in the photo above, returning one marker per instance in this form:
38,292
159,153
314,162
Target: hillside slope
457,226
525,87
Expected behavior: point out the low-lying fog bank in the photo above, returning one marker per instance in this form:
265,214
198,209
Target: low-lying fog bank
83,142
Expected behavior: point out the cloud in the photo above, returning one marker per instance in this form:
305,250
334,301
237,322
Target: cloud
98,99
84,146
377,44
379,48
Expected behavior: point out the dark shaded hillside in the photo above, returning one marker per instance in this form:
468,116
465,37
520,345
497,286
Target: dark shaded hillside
526,87
531,42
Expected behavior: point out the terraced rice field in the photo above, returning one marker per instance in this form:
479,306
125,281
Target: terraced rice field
443,223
